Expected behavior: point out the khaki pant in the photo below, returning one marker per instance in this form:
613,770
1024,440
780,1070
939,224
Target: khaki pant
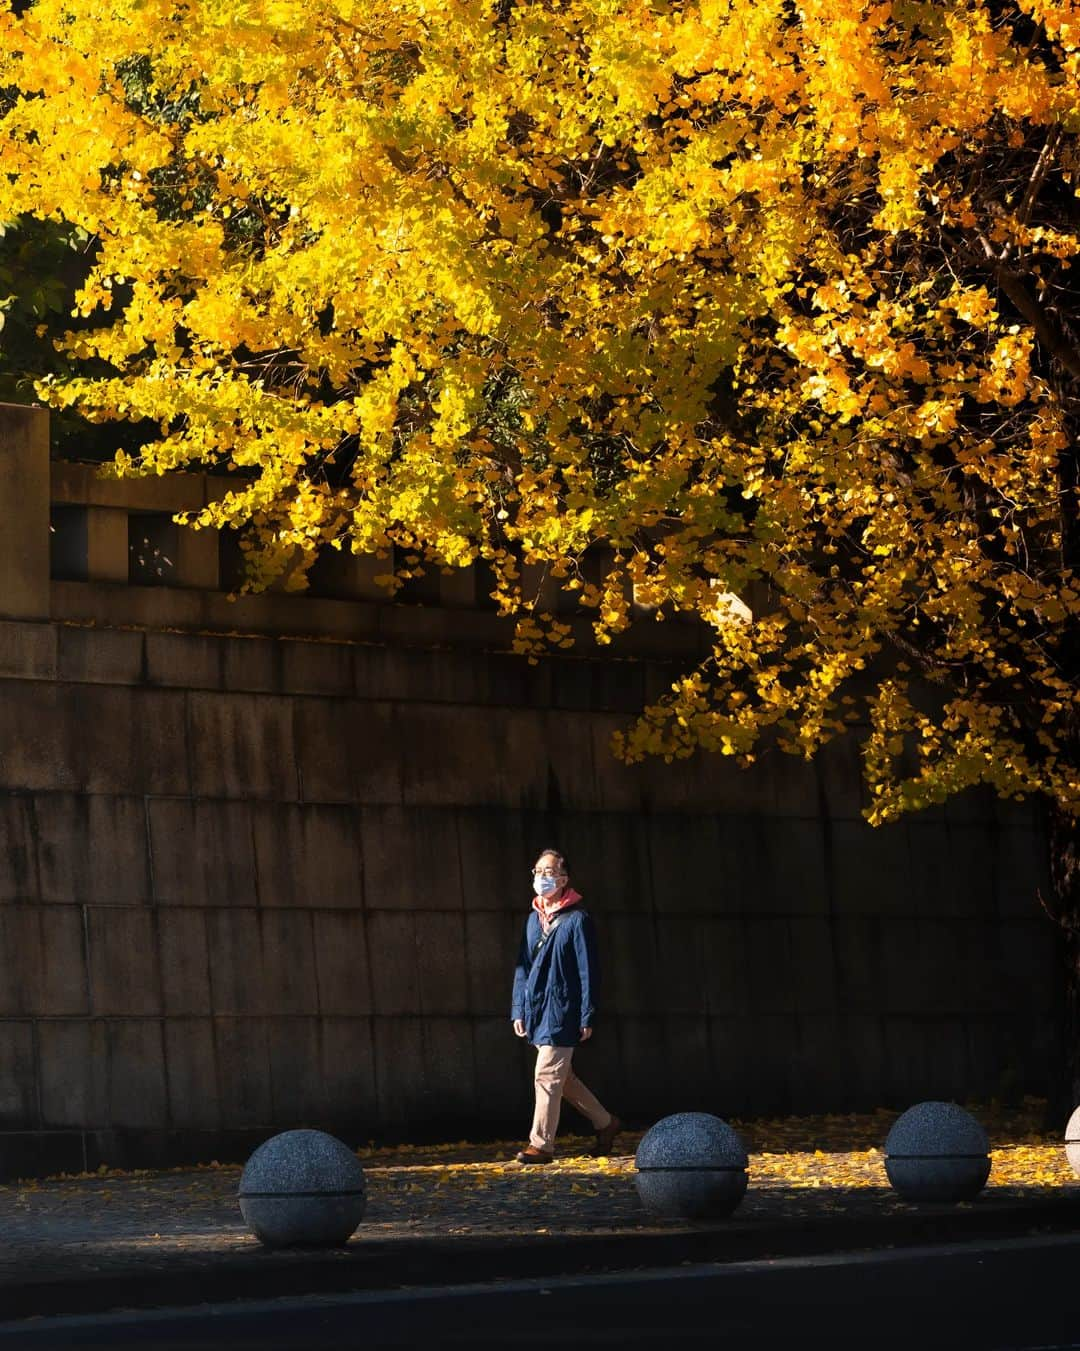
555,1080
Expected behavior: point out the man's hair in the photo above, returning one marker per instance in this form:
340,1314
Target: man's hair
558,857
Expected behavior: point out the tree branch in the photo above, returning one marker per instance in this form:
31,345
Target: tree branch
1049,334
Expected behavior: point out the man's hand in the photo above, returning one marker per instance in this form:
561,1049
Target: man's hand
519,1027
586,1033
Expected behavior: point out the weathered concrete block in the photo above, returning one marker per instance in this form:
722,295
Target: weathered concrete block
24,495
585,684
689,1055
302,1187
348,1073
491,946
307,854
18,852
242,746
441,959
238,977
937,1151
251,664
341,962
411,857
1028,971
950,868
641,1041
813,965
122,948
102,738
191,1073
243,1072
603,846
36,753
629,965
682,847
348,750
288,961
1020,868
503,1071
860,962
18,1076
203,852
28,650
680,965
839,771
497,850
764,1060
42,961
261,961
926,1055
449,1072
118,740
406,674
463,756
72,1063
99,656
395,984
925,965
136,1075
184,961
770,963
297,1085
92,849
723,949
790,866
870,870
184,660
399,1071
691,1165
317,668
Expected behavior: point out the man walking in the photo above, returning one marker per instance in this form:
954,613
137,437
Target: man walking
554,986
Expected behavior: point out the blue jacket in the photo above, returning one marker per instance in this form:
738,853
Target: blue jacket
555,982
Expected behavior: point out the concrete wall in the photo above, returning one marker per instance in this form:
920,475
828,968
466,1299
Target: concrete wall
254,882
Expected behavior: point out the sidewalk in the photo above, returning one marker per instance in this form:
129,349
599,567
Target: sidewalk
464,1212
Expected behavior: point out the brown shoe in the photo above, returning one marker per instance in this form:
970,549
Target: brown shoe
530,1154
606,1138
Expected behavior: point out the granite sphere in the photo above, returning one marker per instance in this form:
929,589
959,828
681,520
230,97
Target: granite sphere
1072,1142
302,1188
937,1151
691,1165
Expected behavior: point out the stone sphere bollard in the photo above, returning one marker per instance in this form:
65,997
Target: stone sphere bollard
691,1166
1072,1142
302,1187
936,1151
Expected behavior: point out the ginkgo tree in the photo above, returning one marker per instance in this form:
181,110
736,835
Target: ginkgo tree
778,293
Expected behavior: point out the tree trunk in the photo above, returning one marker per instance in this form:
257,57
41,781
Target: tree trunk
1064,907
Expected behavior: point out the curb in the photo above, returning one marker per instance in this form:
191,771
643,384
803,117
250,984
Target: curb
461,1260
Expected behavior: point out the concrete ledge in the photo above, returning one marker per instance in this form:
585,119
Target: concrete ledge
82,485
115,605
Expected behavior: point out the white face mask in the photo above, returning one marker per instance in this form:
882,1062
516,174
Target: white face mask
545,886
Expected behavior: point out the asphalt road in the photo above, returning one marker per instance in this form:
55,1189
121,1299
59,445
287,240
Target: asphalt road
1006,1295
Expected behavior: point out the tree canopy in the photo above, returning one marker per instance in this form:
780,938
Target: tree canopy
774,293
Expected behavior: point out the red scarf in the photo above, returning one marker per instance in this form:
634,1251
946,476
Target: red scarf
547,910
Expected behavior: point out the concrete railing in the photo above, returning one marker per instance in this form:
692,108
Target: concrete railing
93,550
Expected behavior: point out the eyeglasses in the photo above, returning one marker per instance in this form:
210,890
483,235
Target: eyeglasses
546,872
